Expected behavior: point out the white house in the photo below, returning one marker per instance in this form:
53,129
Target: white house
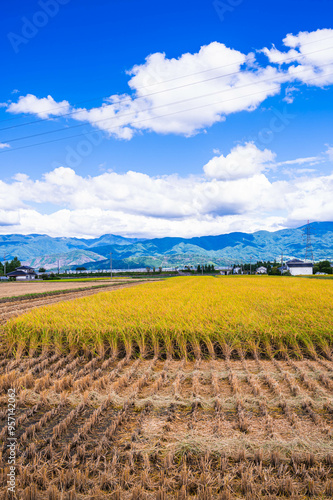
22,273
297,267
238,270
261,270
225,270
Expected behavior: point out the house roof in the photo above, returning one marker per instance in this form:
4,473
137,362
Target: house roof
17,273
22,268
298,263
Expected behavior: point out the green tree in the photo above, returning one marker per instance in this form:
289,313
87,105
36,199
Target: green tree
12,265
41,270
325,267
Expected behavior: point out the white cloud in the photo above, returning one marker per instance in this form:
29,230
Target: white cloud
329,152
4,145
168,197
135,204
242,162
311,196
313,53
9,218
44,107
180,96
301,161
94,221
187,94
289,94
305,170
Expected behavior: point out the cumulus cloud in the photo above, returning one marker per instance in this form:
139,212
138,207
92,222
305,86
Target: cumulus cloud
233,194
9,218
168,197
314,196
180,96
313,53
243,161
187,94
44,107
4,145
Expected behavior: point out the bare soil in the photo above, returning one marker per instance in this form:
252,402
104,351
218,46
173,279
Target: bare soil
106,428
16,288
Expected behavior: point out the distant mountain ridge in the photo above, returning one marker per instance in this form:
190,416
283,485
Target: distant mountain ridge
42,250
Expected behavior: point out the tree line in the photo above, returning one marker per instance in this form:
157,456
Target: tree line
10,266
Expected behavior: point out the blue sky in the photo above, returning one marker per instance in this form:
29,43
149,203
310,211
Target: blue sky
212,134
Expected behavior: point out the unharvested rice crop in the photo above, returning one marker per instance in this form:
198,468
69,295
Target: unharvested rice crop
186,317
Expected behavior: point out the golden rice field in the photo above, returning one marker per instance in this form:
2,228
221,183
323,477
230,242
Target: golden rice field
187,317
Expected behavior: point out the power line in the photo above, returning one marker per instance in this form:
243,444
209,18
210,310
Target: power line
158,107
307,235
138,121
158,92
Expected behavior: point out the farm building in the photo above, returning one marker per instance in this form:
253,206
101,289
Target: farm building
261,270
297,267
225,270
238,270
23,273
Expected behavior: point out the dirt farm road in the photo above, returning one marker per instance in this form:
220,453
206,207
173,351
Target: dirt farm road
17,288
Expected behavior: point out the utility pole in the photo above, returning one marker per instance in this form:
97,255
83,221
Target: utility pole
111,263
202,269
307,235
250,264
4,264
58,267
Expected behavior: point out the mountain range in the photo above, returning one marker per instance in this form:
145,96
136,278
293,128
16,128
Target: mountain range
45,251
